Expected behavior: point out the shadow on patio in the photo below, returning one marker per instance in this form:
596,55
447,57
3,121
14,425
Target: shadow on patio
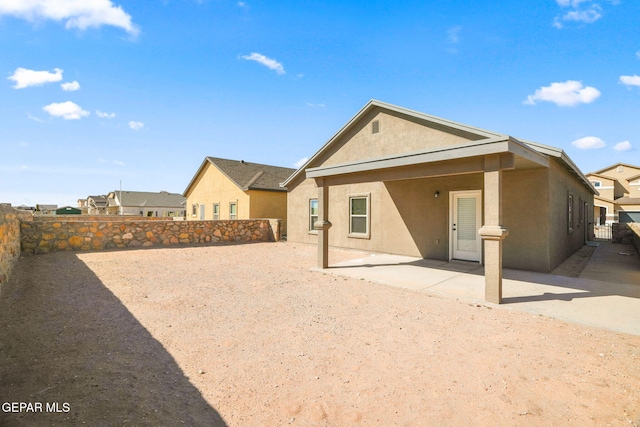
67,339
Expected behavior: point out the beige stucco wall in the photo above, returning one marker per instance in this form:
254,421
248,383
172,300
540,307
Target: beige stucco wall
360,140
212,186
564,242
525,214
269,204
622,187
407,219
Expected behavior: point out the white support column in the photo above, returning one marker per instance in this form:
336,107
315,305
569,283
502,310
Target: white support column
492,231
323,224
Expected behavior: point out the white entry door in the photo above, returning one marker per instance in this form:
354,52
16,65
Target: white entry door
465,221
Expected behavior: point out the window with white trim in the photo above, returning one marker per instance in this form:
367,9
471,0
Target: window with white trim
597,183
359,218
194,209
313,213
233,210
216,211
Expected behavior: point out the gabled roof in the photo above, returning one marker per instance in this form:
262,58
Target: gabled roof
99,200
479,138
633,178
590,174
143,198
246,175
615,166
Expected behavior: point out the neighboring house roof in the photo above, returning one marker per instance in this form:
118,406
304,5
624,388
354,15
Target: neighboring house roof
46,207
591,174
143,198
627,201
481,141
633,178
246,175
608,168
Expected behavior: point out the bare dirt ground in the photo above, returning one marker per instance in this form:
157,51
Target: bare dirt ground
247,335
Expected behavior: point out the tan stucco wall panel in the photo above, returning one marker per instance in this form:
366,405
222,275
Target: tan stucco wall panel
269,204
212,186
360,143
525,214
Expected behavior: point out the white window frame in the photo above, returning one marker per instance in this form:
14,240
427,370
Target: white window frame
216,215
194,209
311,216
367,234
232,215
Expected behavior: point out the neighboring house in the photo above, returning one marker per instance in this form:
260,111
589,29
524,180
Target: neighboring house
68,210
403,182
142,203
96,205
235,189
619,188
46,209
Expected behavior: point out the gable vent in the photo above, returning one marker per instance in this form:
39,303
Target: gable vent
375,126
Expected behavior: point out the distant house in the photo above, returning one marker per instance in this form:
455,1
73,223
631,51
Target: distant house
399,181
68,210
141,203
96,205
619,188
46,209
235,189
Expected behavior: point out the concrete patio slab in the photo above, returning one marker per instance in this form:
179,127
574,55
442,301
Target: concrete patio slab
606,295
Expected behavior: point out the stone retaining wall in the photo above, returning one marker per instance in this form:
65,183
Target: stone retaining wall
628,233
9,239
44,236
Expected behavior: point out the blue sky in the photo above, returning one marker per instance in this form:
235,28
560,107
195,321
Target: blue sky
96,92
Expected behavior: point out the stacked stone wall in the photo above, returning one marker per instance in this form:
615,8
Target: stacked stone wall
9,239
628,233
44,236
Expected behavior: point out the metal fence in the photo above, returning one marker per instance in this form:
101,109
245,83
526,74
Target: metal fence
602,233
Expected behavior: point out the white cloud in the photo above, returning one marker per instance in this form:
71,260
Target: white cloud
70,87
67,110
309,104
588,13
588,16
623,146
103,115
118,162
638,54
242,4
81,14
136,125
300,162
25,78
630,80
588,143
564,94
272,64
572,3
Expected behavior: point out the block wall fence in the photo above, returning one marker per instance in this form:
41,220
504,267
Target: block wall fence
628,233
22,233
9,239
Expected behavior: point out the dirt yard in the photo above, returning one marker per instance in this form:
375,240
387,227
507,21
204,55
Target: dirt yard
247,335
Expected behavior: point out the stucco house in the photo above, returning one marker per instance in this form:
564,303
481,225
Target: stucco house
144,203
619,198
234,189
398,181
